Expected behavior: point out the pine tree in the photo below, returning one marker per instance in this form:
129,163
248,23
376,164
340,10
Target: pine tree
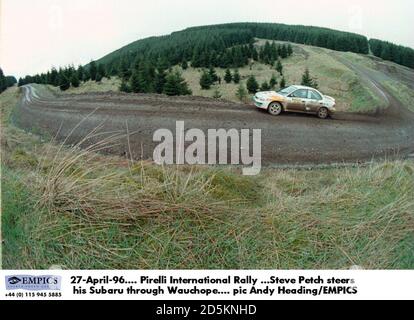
125,71
308,81
81,73
279,67
176,85
217,94
69,72
236,76
134,83
184,89
144,75
160,74
3,84
102,71
205,81
160,80
279,50
93,70
284,52
54,78
273,81
241,92
162,64
86,75
306,78
289,50
74,81
213,75
255,55
124,86
274,54
111,70
228,76
283,83
99,77
11,81
252,85
184,65
171,86
266,53
265,86
64,83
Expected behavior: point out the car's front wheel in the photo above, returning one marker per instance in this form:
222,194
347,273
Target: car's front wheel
323,113
275,108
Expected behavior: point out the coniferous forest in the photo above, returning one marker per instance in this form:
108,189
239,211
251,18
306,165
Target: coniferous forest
392,52
6,81
145,65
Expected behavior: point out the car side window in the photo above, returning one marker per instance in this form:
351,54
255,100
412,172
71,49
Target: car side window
301,93
314,95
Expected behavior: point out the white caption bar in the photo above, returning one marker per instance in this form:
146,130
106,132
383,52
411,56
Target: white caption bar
206,285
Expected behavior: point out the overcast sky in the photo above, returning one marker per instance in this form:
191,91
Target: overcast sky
38,34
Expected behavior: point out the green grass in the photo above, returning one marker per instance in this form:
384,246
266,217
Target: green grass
363,99
402,92
18,221
323,219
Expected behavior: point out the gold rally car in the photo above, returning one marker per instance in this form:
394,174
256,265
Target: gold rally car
296,99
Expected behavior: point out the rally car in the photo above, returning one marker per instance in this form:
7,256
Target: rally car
296,99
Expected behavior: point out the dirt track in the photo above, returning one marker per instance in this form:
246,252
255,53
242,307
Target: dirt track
289,139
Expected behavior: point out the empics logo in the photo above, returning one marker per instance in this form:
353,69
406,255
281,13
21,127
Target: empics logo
33,283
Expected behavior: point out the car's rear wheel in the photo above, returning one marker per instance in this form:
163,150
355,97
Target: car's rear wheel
323,113
275,108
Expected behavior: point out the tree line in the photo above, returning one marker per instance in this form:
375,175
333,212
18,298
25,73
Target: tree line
316,36
6,81
68,76
227,45
392,52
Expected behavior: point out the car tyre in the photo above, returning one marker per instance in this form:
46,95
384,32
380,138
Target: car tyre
275,108
323,113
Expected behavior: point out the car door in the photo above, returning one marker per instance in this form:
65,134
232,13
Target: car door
297,100
314,101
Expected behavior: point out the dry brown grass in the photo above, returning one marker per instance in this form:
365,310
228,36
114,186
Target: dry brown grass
77,181
105,85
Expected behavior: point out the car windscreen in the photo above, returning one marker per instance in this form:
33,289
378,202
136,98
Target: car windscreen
287,91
